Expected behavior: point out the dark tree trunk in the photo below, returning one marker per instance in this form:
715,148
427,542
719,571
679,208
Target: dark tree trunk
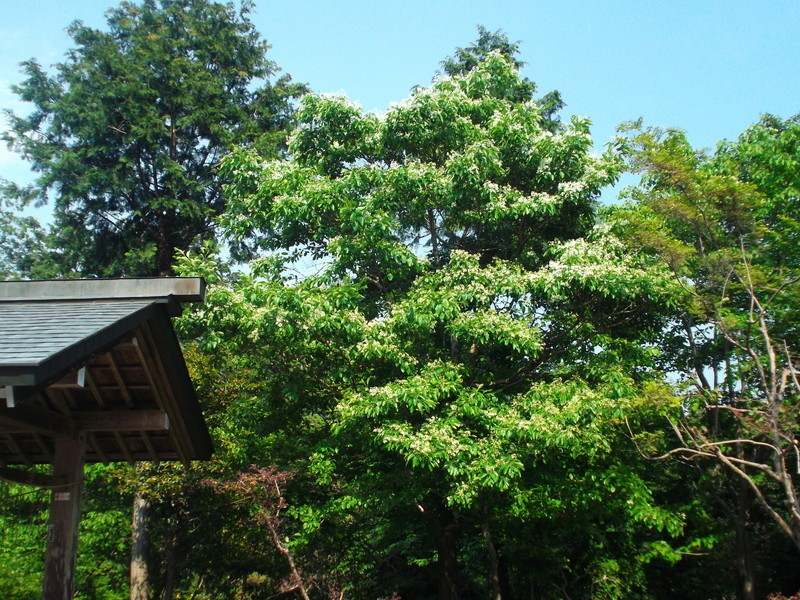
494,563
166,259
445,531
448,562
744,545
172,568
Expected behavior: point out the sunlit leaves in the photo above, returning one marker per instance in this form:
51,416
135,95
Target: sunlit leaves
446,150
466,338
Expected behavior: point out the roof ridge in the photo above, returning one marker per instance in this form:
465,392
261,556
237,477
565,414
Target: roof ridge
181,289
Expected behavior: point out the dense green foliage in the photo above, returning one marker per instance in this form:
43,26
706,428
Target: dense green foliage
126,134
461,362
446,373
726,225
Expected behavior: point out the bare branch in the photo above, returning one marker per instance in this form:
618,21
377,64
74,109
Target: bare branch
739,441
790,366
786,527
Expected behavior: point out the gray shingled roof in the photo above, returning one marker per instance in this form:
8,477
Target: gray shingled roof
35,334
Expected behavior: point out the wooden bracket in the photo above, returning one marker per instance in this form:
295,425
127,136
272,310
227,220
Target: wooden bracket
7,393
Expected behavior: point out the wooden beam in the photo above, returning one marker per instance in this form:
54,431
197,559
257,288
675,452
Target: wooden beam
131,388
122,420
98,397
126,452
75,379
145,358
151,450
36,421
43,446
62,527
59,399
24,477
24,458
97,449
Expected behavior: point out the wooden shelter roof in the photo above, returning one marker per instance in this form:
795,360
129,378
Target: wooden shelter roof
99,357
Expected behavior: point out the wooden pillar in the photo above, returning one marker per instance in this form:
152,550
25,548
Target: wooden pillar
62,527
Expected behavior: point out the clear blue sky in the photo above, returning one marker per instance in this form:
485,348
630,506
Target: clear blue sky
709,67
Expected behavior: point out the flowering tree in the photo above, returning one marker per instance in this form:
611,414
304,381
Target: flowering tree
457,360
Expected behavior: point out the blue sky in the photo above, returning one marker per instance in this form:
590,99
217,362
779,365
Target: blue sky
709,67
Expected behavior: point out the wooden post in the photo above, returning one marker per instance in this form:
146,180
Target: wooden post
62,527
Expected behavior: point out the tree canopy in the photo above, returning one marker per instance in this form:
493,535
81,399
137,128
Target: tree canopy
445,371
464,346
726,225
126,134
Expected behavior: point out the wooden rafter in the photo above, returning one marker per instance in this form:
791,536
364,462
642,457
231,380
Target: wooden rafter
59,399
98,450
126,452
145,358
12,443
95,391
151,450
156,376
43,446
123,388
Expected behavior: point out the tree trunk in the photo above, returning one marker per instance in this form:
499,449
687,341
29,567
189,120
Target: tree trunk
140,548
444,530
171,576
448,562
494,563
744,546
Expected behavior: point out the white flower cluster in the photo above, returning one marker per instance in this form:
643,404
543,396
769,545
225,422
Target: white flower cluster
571,187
